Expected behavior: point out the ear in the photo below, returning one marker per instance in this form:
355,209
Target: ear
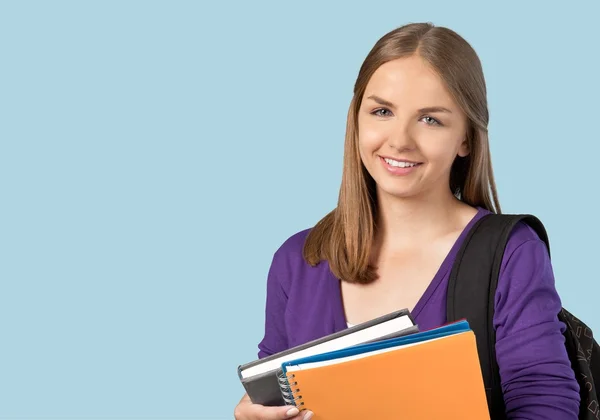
464,149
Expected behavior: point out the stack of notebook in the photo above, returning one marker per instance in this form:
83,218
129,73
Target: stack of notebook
383,369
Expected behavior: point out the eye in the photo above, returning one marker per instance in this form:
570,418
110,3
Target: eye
431,121
382,112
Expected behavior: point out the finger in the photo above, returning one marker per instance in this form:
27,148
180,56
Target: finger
304,415
274,413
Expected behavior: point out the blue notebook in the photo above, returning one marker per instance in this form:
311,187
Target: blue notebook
443,331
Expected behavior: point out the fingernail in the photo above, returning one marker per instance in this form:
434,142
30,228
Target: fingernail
308,415
292,412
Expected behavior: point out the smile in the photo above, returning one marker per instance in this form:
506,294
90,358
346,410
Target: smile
400,163
399,167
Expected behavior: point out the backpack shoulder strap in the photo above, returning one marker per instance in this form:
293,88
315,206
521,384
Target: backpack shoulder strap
472,289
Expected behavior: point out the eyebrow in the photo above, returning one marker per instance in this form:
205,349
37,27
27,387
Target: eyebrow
383,102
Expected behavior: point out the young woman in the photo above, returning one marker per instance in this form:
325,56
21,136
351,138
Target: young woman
417,175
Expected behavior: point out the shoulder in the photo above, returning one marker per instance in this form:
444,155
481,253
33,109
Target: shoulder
521,238
522,234
526,270
525,247
293,245
293,271
525,252
288,259
526,283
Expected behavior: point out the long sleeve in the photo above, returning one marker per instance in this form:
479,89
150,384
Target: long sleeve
537,379
275,336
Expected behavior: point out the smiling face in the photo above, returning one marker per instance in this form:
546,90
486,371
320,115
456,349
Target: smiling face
410,130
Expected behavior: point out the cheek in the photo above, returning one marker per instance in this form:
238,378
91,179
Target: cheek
370,139
441,151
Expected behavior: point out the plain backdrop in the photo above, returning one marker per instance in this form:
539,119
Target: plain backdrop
154,155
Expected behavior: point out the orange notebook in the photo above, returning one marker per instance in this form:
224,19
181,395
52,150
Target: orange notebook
429,375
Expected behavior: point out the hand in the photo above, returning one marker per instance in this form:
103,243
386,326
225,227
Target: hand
246,410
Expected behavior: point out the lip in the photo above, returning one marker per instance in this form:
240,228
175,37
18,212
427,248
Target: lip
394,170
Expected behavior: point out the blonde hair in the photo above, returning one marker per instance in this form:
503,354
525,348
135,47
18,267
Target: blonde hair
344,237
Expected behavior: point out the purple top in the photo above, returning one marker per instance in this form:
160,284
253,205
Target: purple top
305,303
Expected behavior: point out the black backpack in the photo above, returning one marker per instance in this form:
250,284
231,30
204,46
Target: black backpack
471,294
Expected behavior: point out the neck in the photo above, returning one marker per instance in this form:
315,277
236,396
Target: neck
406,222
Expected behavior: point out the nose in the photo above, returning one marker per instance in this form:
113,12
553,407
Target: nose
400,138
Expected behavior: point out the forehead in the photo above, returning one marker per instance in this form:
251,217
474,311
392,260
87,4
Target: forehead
408,80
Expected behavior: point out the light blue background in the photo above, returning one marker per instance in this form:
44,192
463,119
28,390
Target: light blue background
155,154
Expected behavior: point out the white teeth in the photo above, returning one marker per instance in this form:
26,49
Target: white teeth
399,164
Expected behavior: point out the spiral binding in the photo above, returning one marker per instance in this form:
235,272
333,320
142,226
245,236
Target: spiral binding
290,395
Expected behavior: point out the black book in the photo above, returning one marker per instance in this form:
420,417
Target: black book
261,378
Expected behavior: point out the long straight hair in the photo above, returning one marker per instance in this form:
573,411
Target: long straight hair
344,237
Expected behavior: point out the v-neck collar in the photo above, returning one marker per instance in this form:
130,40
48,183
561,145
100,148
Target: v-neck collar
339,315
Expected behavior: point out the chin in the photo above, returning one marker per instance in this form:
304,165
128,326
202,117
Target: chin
399,192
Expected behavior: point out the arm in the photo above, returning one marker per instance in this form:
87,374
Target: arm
274,340
275,335
537,379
